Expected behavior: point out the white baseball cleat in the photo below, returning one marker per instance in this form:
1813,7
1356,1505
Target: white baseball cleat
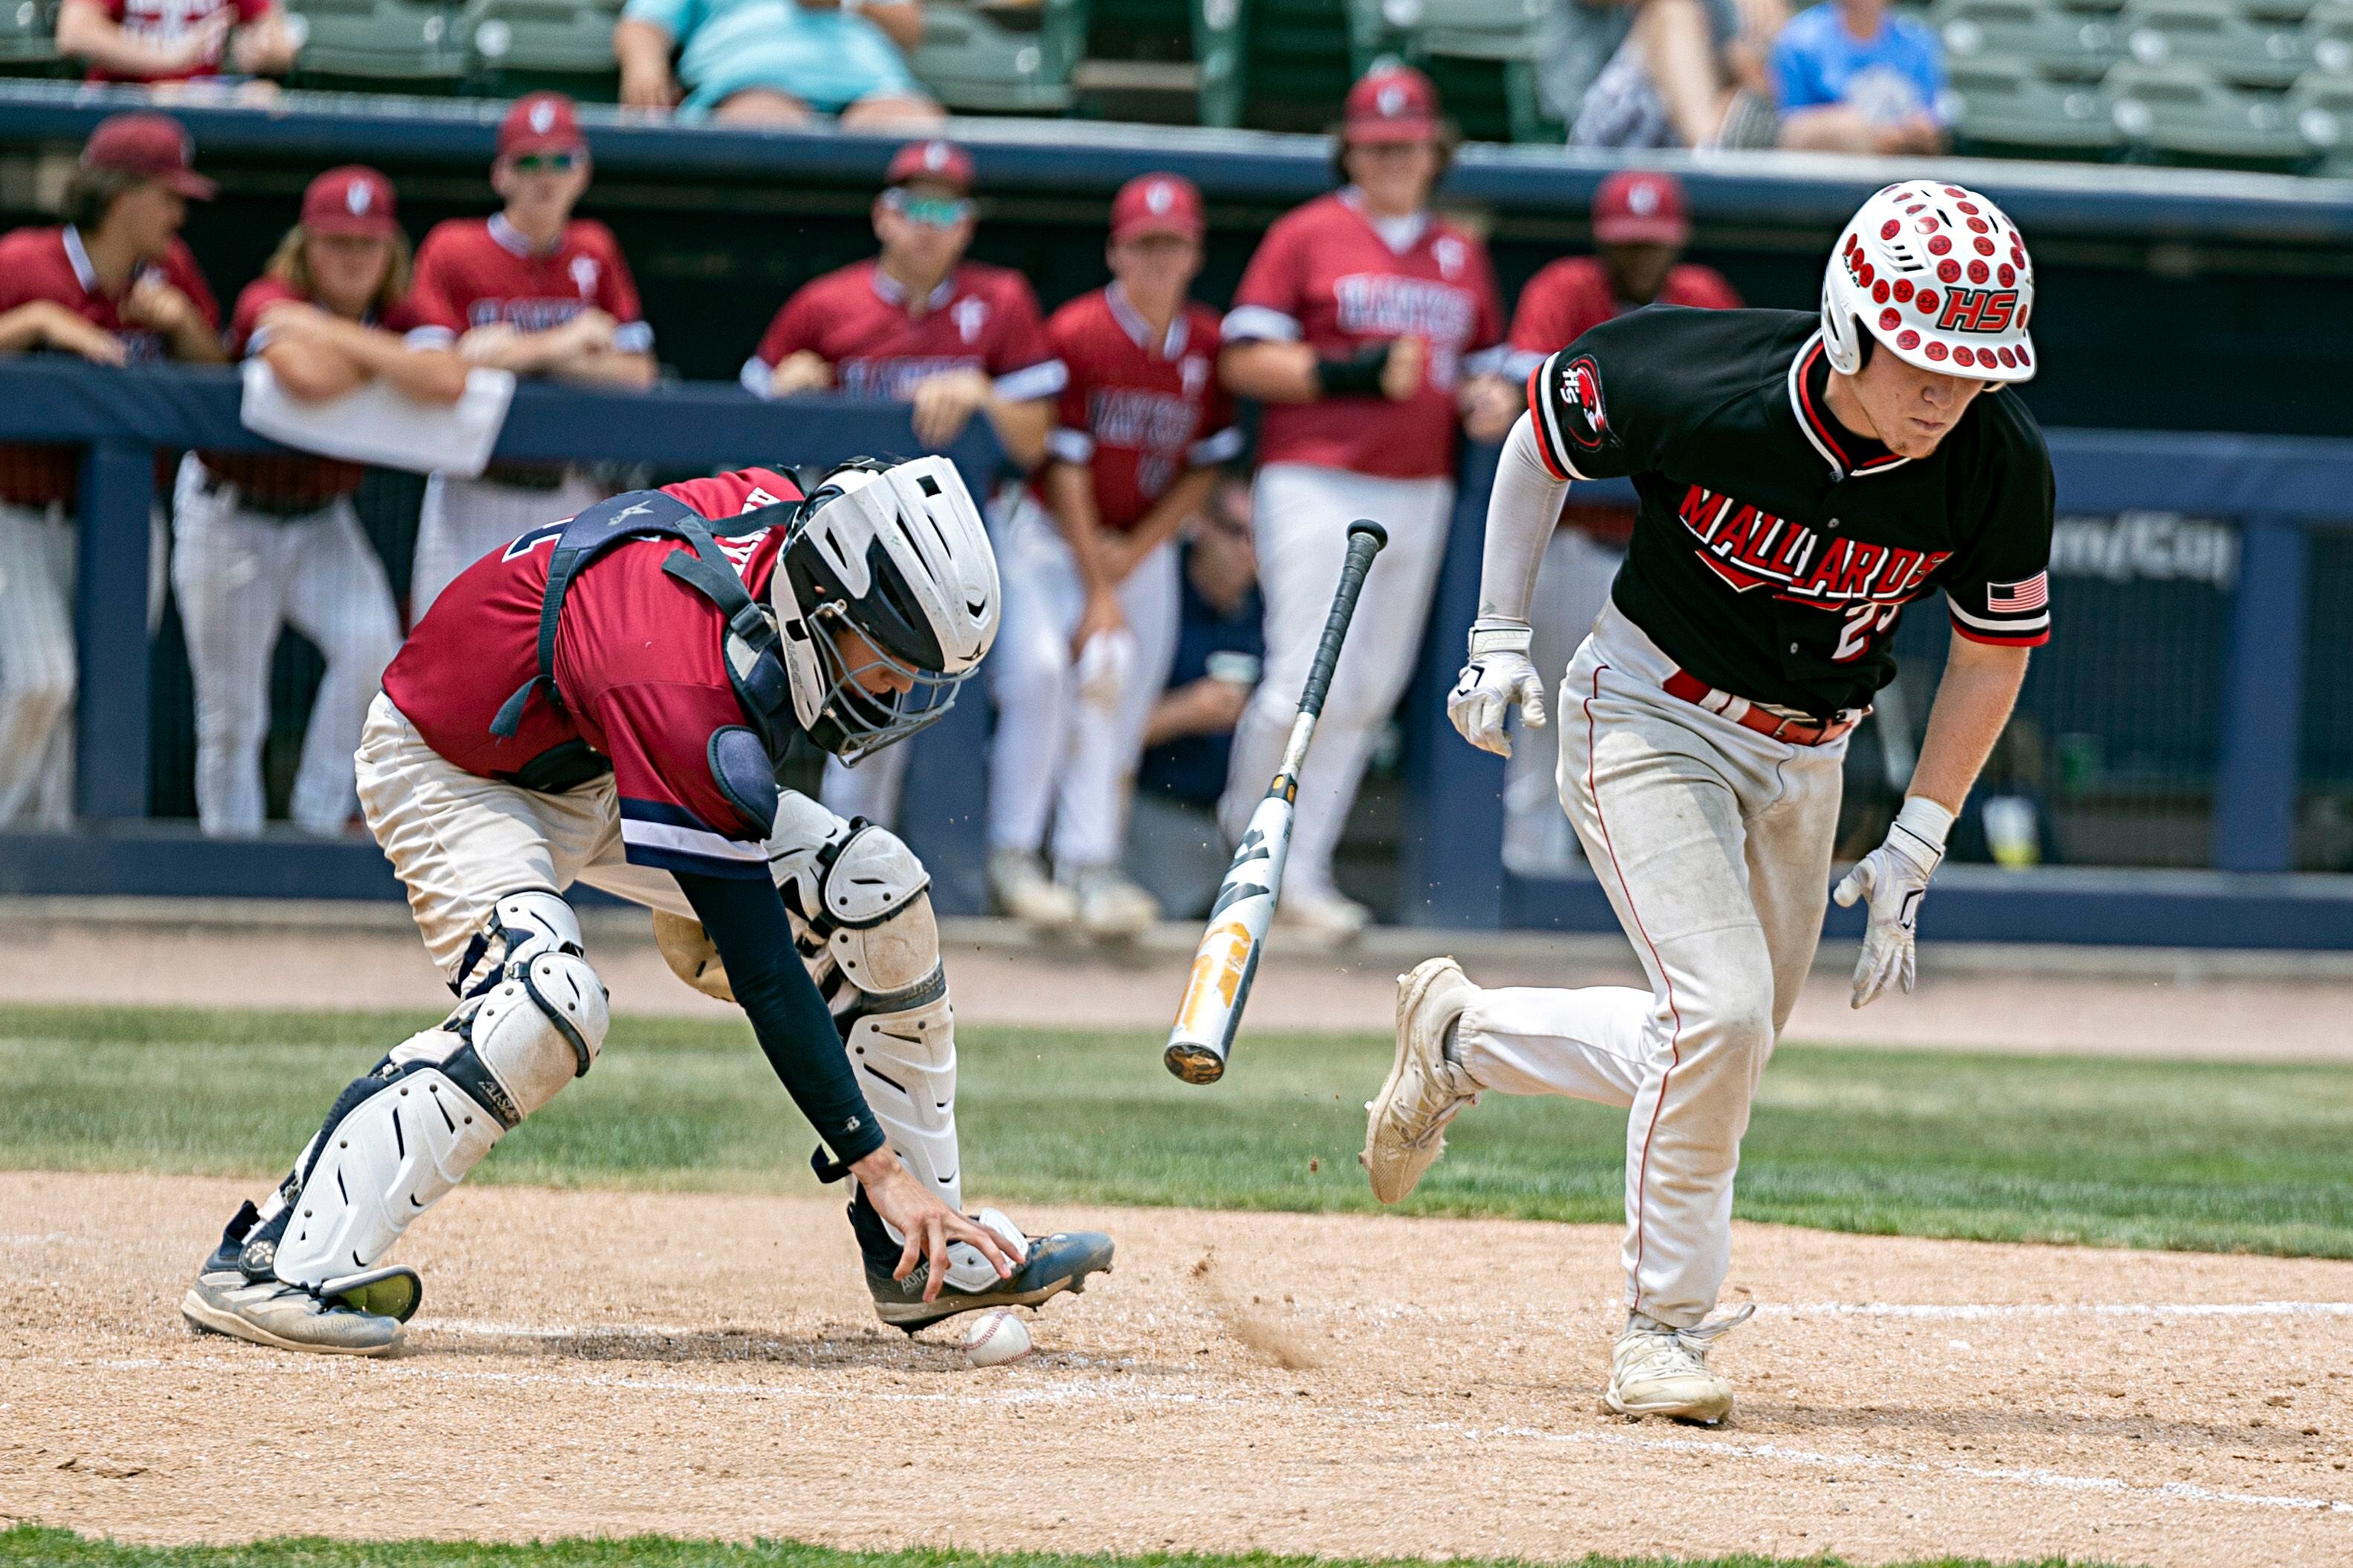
1405,1124
1109,905
1018,884
1321,916
236,1294
1658,1371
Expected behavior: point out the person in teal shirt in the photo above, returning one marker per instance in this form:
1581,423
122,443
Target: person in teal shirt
776,62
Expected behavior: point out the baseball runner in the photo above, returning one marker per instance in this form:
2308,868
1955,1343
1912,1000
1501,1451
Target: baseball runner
1090,564
1641,224
537,291
920,324
115,285
268,541
1362,324
1802,479
606,700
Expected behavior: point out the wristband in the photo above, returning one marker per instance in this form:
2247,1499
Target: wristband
1499,634
1927,821
1358,375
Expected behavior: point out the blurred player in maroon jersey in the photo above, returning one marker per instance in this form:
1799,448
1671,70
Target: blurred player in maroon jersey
537,291
166,41
1641,224
1361,324
1090,566
920,324
115,285
269,541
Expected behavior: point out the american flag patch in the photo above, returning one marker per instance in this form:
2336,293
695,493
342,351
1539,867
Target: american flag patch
2017,598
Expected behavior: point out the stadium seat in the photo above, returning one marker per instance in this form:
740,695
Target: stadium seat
2329,31
2320,108
1220,53
2076,45
987,63
514,46
1477,30
2215,34
2005,107
1298,61
2183,115
27,38
395,44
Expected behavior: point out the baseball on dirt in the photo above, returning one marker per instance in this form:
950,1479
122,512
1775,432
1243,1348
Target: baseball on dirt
995,1338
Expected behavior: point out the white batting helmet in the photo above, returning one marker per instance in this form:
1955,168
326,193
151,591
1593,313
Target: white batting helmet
1939,276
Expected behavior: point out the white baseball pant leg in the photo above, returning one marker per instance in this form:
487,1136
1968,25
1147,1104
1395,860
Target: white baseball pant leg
37,670
871,789
1572,585
463,520
1713,844
1302,515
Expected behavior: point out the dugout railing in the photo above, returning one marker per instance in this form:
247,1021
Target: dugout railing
2281,494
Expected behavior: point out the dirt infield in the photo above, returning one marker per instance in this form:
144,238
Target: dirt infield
595,1363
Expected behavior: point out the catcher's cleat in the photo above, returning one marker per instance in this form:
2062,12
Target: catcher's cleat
236,1293
1050,1265
1405,1124
1658,1371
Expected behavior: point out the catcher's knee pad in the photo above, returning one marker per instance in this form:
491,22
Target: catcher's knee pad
533,1011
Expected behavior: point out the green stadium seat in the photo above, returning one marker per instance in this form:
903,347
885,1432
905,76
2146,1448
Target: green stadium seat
395,44
2292,12
2213,34
2071,45
1220,53
2320,107
1298,61
2329,31
27,38
2004,107
514,46
1480,29
988,63
2186,115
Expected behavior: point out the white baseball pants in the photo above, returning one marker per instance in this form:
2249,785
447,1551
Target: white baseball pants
1572,584
1713,844
1300,514
463,520
240,575
1057,751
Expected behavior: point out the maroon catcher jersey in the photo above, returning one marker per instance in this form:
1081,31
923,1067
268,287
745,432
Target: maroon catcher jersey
855,319
1136,413
639,663
1325,276
472,272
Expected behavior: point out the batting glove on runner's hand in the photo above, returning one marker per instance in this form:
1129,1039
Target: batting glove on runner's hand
1497,676
1894,878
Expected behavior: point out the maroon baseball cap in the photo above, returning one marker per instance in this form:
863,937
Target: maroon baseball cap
1395,103
153,146
935,162
354,199
1640,206
1156,204
540,123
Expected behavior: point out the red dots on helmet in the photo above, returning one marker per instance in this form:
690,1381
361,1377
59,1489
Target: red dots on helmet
2008,358
1889,318
1963,355
1907,340
1938,245
1926,302
2006,274
1936,349
1985,248
1879,292
1903,290
1948,271
1890,229
1978,273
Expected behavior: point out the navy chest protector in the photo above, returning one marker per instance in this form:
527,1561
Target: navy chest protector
743,763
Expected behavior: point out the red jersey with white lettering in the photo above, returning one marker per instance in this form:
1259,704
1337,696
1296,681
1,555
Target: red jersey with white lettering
637,657
1570,298
856,319
161,24
50,263
290,480
1136,413
1325,276
472,272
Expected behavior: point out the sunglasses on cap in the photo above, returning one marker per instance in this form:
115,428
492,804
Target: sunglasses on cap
930,212
558,163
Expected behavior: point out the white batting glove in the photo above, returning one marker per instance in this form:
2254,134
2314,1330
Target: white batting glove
1497,676
1894,878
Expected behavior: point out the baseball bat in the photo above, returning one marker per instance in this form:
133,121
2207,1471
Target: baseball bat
1226,960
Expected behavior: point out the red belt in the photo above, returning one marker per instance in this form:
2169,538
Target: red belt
1789,728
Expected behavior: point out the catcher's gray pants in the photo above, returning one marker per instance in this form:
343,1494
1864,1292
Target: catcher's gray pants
1713,843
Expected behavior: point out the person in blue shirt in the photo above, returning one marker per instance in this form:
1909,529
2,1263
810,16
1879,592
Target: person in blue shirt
777,62
1852,77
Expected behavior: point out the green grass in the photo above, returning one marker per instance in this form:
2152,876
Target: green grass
27,1545
2141,1153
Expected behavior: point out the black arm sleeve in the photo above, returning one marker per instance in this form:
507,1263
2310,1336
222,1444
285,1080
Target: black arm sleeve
746,922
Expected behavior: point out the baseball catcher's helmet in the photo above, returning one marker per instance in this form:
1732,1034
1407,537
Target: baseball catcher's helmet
1939,276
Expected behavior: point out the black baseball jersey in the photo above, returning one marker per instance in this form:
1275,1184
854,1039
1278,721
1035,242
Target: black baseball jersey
1775,549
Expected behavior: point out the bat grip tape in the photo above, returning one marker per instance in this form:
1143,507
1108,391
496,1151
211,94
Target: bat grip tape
1365,542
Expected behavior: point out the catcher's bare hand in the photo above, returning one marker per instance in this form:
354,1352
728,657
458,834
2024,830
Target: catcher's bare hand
928,1223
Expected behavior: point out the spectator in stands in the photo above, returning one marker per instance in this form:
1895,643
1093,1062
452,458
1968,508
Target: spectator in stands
268,541
918,323
1852,76
1088,560
537,291
1367,325
173,41
777,62
1660,73
1178,848
116,286
1641,224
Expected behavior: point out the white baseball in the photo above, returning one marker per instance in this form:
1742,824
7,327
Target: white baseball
997,1336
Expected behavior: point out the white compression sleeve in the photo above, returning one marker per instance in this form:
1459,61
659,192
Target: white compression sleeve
1522,511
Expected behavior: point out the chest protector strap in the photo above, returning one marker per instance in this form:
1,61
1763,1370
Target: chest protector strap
754,666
